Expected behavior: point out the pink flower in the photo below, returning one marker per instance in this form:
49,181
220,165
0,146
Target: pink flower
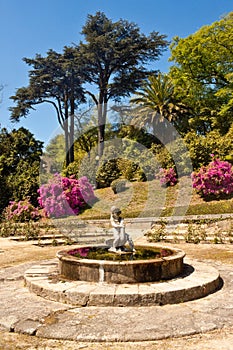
64,196
216,179
167,177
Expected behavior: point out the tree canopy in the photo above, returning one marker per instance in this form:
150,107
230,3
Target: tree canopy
54,79
20,156
203,74
155,103
114,57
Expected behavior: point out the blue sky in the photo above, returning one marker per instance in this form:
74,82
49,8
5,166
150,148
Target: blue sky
29,27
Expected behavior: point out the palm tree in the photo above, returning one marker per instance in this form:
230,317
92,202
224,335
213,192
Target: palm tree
156,103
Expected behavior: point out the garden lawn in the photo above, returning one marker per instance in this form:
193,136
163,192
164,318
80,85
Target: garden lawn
149,199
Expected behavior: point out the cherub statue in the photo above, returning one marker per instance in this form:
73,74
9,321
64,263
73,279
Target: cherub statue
120,237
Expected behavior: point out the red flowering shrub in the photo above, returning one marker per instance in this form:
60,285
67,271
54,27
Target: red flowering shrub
64,196
214,180
167,177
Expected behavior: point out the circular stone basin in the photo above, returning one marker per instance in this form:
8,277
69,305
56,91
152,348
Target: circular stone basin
96,264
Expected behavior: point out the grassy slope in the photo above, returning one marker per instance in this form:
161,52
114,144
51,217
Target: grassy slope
147,199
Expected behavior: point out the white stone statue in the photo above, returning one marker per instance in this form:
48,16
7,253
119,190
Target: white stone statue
120,237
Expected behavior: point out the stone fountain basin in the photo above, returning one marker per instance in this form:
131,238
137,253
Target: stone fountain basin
135,271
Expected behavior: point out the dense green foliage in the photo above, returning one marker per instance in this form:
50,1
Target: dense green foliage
20,156
157,101
202,75
196,96
125,155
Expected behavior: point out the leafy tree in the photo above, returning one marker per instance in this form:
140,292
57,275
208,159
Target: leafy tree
203,76
114,56
157,102
54,79
202,146
139,135
86,132
53,159
19,166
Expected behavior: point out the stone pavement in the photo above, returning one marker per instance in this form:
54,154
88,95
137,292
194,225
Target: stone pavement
24,312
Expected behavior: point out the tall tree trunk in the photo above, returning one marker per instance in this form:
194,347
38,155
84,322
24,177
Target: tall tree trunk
67,160
72,107
101,132
102,116
71,139
67,136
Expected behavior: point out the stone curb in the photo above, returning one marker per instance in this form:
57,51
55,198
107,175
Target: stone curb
198,281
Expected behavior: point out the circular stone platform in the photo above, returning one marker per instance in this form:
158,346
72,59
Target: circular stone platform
197,281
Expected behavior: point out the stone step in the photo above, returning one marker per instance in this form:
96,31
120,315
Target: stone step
71,235
197,281
50,242
42,237
66,242
85,233
208,239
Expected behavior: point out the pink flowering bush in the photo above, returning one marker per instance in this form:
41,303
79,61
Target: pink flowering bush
167,177
64,196
214,180
22,211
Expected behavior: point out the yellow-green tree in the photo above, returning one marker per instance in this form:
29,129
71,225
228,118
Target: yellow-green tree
203,75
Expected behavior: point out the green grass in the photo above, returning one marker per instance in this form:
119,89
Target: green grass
220,207
149,199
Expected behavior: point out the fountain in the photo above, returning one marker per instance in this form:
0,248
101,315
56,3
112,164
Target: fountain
120,273
117,263
147,264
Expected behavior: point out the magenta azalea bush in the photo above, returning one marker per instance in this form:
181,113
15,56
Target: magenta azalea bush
64,196
22,211
167,177
214,180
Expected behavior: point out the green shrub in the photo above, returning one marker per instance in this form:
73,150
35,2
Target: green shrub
202,146
107,173
157,233
20,156
118,185
174,155
130,170
71,169
29,230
